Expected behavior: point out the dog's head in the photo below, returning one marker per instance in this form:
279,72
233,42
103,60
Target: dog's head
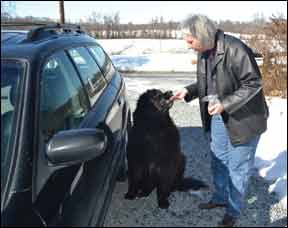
155,100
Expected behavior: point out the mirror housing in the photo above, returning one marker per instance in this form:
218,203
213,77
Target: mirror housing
76,146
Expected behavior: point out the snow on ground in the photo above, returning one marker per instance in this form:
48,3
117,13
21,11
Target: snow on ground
271,154
142,46
155,62
150,55
172,56
156,55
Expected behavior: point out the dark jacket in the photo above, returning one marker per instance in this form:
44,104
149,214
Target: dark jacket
238,85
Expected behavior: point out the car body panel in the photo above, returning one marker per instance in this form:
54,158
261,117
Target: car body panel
39,193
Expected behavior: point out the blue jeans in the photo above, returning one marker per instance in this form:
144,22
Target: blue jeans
231,167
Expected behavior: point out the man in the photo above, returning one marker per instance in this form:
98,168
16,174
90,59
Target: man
226,69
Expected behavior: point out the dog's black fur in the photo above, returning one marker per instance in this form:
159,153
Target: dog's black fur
154,154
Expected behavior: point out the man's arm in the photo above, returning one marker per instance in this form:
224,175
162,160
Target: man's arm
192,92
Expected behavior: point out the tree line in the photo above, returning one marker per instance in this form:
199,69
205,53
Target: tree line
110,26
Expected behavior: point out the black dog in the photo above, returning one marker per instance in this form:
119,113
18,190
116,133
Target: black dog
154,155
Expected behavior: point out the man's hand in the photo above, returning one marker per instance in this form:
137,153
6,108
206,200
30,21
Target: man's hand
215,109
179,95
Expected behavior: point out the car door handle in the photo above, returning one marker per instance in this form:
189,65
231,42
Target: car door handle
120,100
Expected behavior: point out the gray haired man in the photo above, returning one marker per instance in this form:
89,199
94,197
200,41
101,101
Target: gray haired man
232,106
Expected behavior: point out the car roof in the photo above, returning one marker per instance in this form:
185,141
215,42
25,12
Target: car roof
41,40
12,36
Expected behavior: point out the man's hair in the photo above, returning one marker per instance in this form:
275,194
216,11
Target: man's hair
200,27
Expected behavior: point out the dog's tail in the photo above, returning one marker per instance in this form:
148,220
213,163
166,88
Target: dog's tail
189,183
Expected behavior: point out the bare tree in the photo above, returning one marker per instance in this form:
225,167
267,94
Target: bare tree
116,24
271,42
108,22
259,19
94,18
129,29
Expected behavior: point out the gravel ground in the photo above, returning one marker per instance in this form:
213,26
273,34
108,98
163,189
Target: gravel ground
262,210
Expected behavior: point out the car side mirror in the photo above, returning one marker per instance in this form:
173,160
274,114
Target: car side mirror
76,146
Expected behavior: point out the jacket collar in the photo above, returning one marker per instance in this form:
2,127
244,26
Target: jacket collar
220,42
219,39
220,48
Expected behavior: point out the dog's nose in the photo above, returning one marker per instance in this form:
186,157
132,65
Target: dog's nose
168,94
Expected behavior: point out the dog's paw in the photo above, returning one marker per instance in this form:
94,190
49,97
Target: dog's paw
143,194
164,204
129,196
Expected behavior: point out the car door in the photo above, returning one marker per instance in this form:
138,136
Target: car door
90,194
63,105
16,145
74,94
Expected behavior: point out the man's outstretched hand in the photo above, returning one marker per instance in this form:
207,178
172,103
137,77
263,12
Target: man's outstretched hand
179,95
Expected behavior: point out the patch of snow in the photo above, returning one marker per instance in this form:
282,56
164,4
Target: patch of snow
271,153
155,62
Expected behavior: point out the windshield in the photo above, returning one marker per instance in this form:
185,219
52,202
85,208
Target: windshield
11,71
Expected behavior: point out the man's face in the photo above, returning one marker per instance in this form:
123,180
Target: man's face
193,42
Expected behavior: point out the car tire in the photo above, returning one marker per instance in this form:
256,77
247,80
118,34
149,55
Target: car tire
122,173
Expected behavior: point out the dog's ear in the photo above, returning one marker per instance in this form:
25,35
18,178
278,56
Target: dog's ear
168,94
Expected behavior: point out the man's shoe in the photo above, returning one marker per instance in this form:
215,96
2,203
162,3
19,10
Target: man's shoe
228,221
210,205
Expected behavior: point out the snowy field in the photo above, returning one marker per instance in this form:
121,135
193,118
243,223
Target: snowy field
138,55
172,56
150,55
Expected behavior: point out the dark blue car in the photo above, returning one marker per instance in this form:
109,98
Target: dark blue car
64,122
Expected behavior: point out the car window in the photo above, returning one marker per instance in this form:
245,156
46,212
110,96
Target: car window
103,60
89,71
63,102
11,72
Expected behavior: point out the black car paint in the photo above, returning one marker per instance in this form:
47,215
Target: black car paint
27,200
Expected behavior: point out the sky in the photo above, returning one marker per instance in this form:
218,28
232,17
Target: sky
144,11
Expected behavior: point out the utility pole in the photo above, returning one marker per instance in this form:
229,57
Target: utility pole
61,10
